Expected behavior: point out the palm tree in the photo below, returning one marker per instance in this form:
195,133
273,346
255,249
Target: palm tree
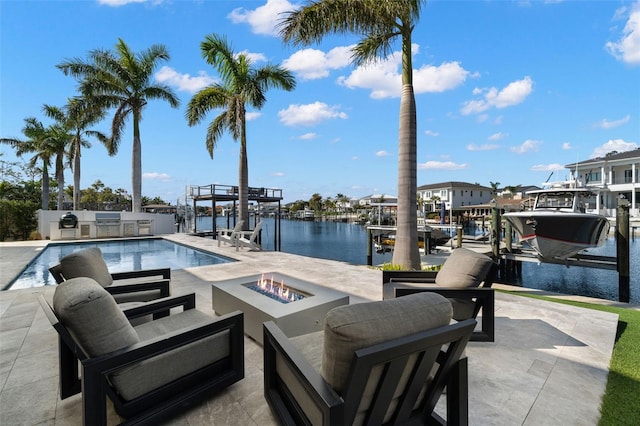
379,23
77,115
241,85
59,139
123,80
494,188
37,143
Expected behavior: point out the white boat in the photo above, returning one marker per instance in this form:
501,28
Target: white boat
559,225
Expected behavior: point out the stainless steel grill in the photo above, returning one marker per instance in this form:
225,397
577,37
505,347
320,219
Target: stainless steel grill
107,219
107,225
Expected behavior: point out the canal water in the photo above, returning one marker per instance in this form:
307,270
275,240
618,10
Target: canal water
347,242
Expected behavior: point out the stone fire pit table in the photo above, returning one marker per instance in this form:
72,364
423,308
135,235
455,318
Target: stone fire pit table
302,316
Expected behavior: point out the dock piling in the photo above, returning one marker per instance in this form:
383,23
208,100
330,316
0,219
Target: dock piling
622,250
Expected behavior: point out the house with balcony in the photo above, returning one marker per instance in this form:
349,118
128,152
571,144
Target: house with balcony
613,177
453,195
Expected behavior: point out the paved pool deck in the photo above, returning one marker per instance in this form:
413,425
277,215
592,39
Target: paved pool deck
548,365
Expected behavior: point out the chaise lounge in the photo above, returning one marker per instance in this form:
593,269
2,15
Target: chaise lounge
151,371
383,362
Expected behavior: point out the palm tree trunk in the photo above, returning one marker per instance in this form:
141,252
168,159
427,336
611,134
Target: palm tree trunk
405,253
243,179
45,187
136,166
60,179
76,174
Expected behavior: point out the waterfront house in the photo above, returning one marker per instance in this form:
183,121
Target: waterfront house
375,199
453,194
614,176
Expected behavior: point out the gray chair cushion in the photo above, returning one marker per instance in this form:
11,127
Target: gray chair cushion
152,373
86,263
92,316
463,268
352,327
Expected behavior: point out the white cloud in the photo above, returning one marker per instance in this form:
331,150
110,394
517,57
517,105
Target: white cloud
308,136
311,64
252,115
263,19
432,79
278,174
566,146
156,176
613,145
382,153
441,165
606,124
253,57
484,147
527,146
355,158
117,3
431,133
513,94
627,47
553,167
498,136
183,82
310,114
384,77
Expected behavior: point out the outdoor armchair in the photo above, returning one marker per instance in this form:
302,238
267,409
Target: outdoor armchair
465,278
132,286
229,236
151,371
384,362
250,239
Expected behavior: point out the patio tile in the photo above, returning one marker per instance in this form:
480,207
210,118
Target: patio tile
548,364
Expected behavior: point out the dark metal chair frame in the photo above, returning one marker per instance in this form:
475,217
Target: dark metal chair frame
483,296
165,401
444,345
161,279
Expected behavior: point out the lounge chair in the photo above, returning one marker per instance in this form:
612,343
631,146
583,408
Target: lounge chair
229,236
150,372
132,286
249,238
384,362
465,278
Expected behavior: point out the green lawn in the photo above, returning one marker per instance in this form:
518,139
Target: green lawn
621,401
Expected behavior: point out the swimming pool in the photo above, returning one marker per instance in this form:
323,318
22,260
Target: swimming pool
120,256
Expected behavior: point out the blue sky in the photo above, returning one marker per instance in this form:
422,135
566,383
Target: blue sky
506,91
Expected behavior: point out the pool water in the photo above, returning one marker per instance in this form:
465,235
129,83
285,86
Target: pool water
120,256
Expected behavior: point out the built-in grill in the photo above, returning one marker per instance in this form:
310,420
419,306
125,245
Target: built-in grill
107,225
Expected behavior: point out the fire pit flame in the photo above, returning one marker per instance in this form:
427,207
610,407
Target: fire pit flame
278,291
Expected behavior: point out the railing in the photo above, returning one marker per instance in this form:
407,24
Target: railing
230,190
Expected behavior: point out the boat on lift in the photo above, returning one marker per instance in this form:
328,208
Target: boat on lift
559,225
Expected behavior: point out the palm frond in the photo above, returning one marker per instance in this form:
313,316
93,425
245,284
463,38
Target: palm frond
211,97
214,132
162,92
219,53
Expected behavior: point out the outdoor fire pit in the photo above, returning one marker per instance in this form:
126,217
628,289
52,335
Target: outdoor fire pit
297,306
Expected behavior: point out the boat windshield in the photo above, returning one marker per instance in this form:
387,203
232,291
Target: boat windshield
555,200
565,200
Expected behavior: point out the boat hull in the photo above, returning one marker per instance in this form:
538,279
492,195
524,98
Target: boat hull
558,235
